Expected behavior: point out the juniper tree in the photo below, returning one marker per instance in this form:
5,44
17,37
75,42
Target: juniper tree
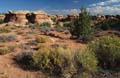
82,25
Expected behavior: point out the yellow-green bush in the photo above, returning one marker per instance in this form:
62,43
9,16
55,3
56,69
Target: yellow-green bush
47,24
53,61
12,47
85,60
41,39
1,21
107,50
4,51
5,29
59,61
40,46
84,75
8,37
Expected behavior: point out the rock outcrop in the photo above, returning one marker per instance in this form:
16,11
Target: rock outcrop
21,17
2,16
24,17
16,17
40,16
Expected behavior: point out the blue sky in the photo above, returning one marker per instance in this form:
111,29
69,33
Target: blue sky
62,6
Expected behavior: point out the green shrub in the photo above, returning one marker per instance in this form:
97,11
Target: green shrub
8,37
53,61
110,24
32,26
58,61
1,21
81,27
41,39
12,47
24,46
46,24
86,60
107,50
4,51
57,23
40,46
25,59
5,29
60,29
43,27
67,24
84,75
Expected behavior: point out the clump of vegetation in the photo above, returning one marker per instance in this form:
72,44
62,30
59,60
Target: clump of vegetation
107,50
67,25
24,46
110,24
81,27
4,51
54,61
46,24
1,21
59,61
32,26
40,46
41,39
5,29
86,60
57,23
25,59
12,47
43,27
60,29
8,37
84,75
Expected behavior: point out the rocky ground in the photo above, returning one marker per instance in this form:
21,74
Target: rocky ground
9,68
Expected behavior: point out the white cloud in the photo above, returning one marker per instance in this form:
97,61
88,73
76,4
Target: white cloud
105,7
107,2
104,10
64,11
76,1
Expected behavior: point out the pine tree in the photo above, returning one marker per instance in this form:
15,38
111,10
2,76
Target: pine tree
82,26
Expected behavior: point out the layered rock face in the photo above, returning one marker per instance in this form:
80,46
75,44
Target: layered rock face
21,17
39,17
9,18
24,17
2,16
16,17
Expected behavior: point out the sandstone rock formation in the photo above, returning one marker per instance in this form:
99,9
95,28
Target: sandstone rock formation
39,17
2,16
16,17
24,17
21,17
